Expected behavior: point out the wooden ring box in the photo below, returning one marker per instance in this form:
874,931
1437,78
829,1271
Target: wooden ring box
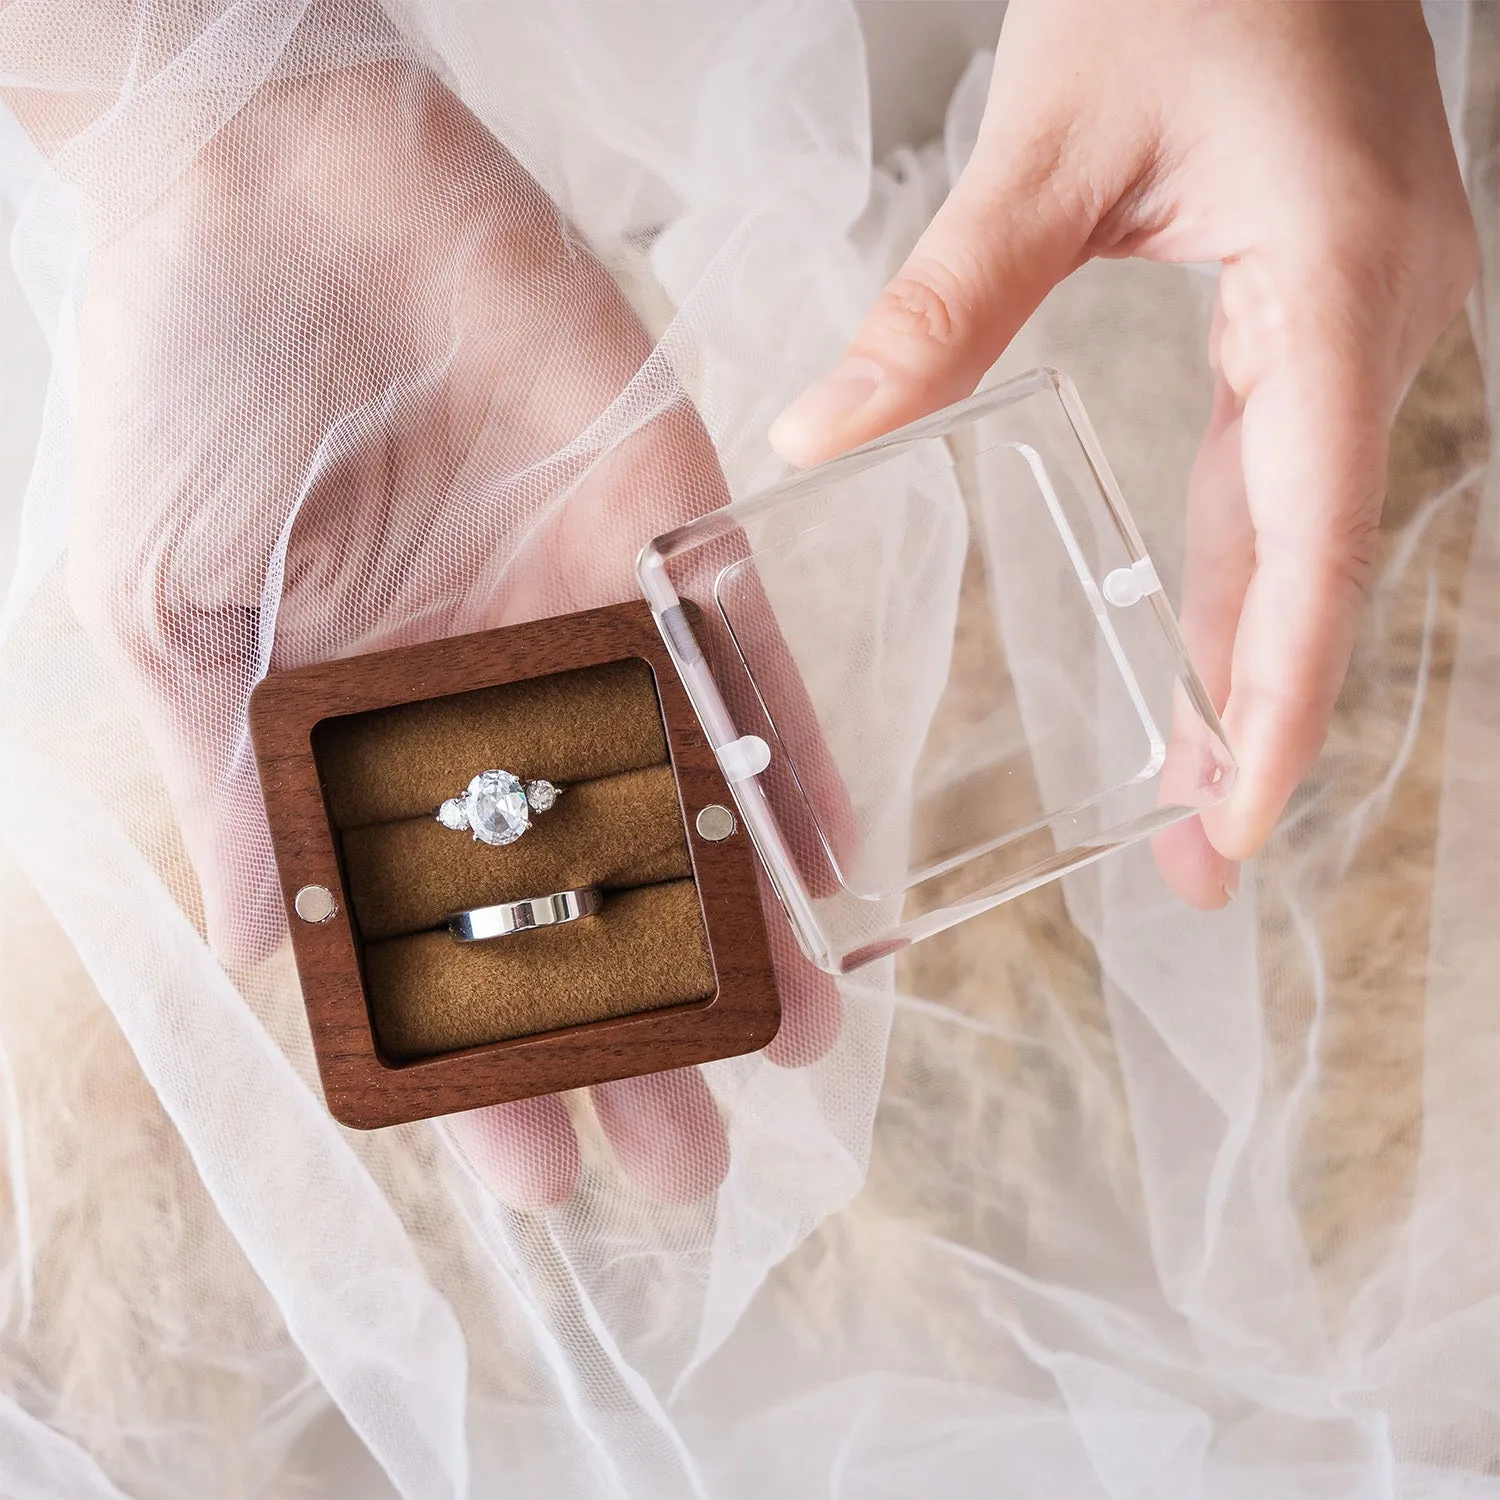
406,1022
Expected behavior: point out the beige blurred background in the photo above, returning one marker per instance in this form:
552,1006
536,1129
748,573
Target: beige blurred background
917,49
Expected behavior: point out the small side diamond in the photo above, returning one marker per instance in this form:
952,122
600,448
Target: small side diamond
454,813
541,795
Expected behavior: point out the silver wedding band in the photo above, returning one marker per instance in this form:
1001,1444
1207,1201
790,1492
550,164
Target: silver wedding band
509,917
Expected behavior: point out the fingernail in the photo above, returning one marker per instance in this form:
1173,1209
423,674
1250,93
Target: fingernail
1232,883
802,432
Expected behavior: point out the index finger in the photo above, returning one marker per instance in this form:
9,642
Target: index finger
1314,437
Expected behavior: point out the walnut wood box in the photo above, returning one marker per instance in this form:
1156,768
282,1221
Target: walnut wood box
334,743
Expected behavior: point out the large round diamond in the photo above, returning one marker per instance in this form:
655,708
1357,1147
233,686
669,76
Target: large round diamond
497,808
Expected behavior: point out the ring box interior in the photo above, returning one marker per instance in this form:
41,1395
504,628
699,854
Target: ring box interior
407,1022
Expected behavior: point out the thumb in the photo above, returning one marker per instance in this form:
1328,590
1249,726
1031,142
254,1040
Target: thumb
185,665
1017,221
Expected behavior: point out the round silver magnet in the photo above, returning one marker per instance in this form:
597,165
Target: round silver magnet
315,903
715,823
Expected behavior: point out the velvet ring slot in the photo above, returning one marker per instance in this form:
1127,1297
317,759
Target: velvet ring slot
356,755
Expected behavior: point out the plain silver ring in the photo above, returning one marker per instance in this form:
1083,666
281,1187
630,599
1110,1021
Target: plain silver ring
509,917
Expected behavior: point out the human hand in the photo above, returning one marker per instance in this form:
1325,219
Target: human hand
1304,148
351,382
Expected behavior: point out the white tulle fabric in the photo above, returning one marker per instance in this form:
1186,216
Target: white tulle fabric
1146,1203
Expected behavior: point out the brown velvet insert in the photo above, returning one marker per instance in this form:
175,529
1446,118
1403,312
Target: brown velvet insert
618,832
402,762
644,950
598,733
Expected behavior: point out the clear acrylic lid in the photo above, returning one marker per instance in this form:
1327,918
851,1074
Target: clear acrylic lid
937,671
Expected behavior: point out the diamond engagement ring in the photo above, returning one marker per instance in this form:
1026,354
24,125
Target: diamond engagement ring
498,807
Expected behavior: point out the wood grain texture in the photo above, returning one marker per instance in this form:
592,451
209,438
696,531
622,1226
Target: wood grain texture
362,1088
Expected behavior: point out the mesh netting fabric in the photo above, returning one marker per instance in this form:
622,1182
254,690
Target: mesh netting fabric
362,326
